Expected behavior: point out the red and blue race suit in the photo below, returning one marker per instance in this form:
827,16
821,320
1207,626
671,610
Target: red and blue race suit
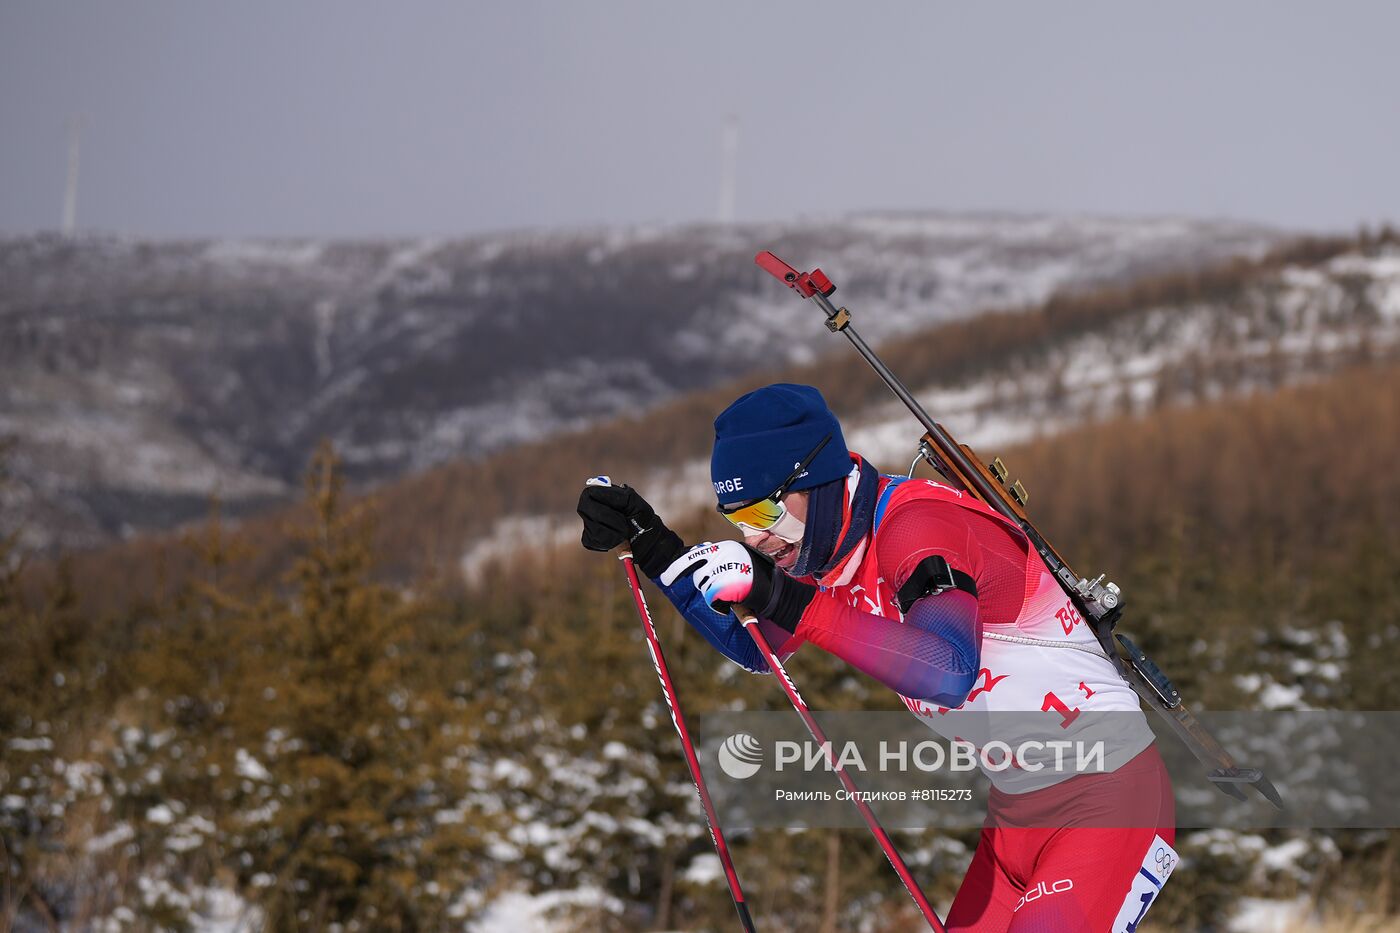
1017,645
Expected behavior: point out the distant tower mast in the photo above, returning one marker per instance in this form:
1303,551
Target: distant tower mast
70,192
729,157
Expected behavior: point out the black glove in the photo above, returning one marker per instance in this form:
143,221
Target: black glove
776,596
613,515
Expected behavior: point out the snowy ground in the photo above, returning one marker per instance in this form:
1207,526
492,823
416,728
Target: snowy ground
518,912
1257,915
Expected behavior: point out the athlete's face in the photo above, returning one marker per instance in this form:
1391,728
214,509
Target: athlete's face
784,553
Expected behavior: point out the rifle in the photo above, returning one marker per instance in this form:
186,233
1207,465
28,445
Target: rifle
1098,601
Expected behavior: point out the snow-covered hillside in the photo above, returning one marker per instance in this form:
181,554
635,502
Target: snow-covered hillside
142,377
1301,323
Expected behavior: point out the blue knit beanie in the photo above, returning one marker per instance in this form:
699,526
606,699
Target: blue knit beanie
765,434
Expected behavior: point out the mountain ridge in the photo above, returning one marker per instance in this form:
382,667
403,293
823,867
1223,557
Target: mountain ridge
143,377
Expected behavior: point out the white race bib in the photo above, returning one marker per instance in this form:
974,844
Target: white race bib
1157,866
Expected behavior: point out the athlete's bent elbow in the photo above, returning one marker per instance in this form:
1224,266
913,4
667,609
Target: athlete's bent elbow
945,689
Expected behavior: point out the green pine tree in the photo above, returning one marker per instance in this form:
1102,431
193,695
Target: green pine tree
345,800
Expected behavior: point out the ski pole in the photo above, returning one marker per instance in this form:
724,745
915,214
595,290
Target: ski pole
912,886
668,689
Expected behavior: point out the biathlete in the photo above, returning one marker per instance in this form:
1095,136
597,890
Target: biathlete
944,601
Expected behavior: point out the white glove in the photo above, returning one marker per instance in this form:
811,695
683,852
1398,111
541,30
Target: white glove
723,572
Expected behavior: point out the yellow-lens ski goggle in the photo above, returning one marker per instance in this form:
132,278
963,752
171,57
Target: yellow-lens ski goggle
763,514
757,516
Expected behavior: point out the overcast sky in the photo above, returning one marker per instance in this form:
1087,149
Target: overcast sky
361,119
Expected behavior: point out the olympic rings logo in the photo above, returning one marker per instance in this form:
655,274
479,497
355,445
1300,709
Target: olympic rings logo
1166,861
